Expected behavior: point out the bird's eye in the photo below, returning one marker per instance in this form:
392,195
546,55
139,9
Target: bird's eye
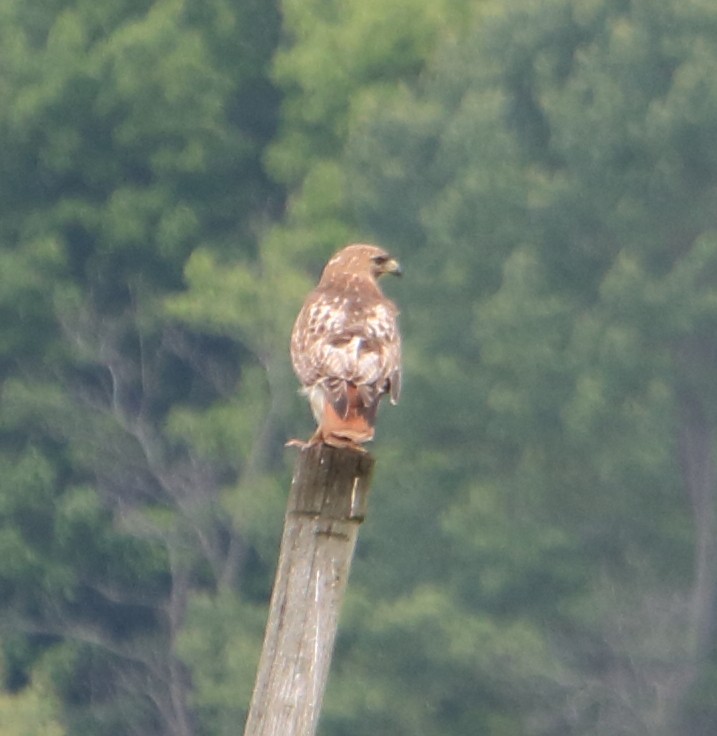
380,260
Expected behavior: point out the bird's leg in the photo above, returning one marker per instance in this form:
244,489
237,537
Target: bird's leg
330,439
315,439
301,444
345,443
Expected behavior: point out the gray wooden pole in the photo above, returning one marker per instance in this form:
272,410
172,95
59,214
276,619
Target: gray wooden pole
327,503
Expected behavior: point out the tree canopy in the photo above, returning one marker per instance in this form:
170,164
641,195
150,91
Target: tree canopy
540,555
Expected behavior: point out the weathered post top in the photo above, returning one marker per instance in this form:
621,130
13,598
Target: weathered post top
332,483
327,503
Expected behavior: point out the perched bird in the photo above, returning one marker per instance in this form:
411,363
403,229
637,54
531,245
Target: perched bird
346,348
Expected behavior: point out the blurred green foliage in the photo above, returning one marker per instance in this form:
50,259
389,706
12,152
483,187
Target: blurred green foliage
540,555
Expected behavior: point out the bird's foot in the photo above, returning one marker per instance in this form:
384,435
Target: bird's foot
341,443
301,444
315,439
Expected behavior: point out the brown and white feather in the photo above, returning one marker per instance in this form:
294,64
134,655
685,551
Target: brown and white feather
346,341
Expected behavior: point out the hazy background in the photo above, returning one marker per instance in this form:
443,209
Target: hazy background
540,556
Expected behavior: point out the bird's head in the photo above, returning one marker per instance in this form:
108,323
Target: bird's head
369,260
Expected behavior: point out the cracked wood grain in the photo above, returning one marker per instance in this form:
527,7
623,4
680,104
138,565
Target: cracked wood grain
327,503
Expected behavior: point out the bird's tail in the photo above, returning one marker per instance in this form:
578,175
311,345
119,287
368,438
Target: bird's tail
348,420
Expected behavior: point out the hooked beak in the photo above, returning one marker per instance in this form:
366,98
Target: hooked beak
392,266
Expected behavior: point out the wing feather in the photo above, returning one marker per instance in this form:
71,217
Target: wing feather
339,340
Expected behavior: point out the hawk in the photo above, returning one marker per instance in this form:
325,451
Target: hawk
346,348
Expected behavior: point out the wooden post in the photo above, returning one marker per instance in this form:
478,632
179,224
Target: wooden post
327,503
